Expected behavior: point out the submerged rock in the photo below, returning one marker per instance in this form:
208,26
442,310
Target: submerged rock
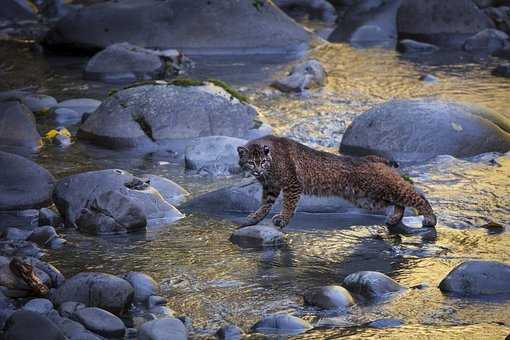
240,27
155,116
144,286
17,126
167,328
281,324
371,285
413,46
488,40
257,236
475,278
306,75
28,325
418,130
329,297
101,322
214,155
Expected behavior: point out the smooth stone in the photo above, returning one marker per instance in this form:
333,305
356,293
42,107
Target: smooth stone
413,46
19,248
34,102
41,306
163,329
329,297
257,236
281,324
428,78
79,105
371,285
155,300
68,308
19,218
172,192
69,327
214,155
100,322
18,127
477,278
144,286
41,328
43,235
67,116
96,290
306,75
17,234
489,40
49,217
229,332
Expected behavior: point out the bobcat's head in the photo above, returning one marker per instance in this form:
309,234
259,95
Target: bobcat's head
255,158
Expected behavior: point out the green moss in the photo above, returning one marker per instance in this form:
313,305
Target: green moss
229,89
186,82
407,178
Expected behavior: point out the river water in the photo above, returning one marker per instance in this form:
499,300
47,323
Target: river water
213,281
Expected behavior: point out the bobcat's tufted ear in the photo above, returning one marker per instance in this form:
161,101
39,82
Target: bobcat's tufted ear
266,149
242,151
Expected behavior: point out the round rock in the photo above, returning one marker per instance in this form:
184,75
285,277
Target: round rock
100,322
371,284
474,278
281,324
257,236
41,306
18,127
144,286
329,297
163,329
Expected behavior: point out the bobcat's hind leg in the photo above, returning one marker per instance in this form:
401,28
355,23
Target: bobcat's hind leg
269,196
395,216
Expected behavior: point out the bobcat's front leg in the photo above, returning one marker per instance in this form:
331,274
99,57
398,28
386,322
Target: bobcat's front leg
291,195
269,196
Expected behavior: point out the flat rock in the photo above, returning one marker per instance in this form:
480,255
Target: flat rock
41,328
413,46
143,285
281,324
79,105
257,236
418,130
475,278
41,306
329,297
371,285
305,75
17,126
101,322
163,329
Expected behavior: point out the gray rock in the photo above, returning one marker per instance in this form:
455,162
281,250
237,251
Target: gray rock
55,276
261,131
49,217
366,27
79,105
73,193
475,278
86,335
17,234
96,290
371,285
306,75
161,312
488,40
154,116
444,23
502,71
320,9
329,297
17,126
167,328
68,308
213,155
67,116
19,248
165,25
7,307
281,324
413,46
124,60
257,236
19,218
41,328
24,184
418,130
41,306
428,78
143,285
34,102
69,327
101,322
43,235
111,213
155,300
172,192
229,332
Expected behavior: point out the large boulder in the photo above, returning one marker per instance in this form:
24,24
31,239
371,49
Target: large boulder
474,278
281,324
365,27
23,183
17,126
371,285
445,23
166,328
218,27
417,130
77,192
96,290
488,40
153,116
28,325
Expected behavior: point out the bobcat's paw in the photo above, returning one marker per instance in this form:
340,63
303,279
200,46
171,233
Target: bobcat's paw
279,221
248,221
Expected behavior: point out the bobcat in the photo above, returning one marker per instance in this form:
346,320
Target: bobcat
283,165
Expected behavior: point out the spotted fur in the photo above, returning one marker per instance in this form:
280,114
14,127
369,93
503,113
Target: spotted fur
284,166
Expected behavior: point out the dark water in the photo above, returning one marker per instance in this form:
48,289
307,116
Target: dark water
215,282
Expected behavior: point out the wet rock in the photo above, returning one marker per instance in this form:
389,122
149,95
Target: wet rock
428,78
43,235
34,102
111,213
68,308
365,27
41,328
49,217
502,71
79,105
162,115
229,332
371,284
16,234
17,126
251,29
444,23
72,194
418,130
19,248
124,61
167,328
474,278
24,184
320,9
17,10
67,116
306,75
413,46
96,290
281,324
329,297
41,306
143,285
488,40
101,322
172,192
214,155
257,236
